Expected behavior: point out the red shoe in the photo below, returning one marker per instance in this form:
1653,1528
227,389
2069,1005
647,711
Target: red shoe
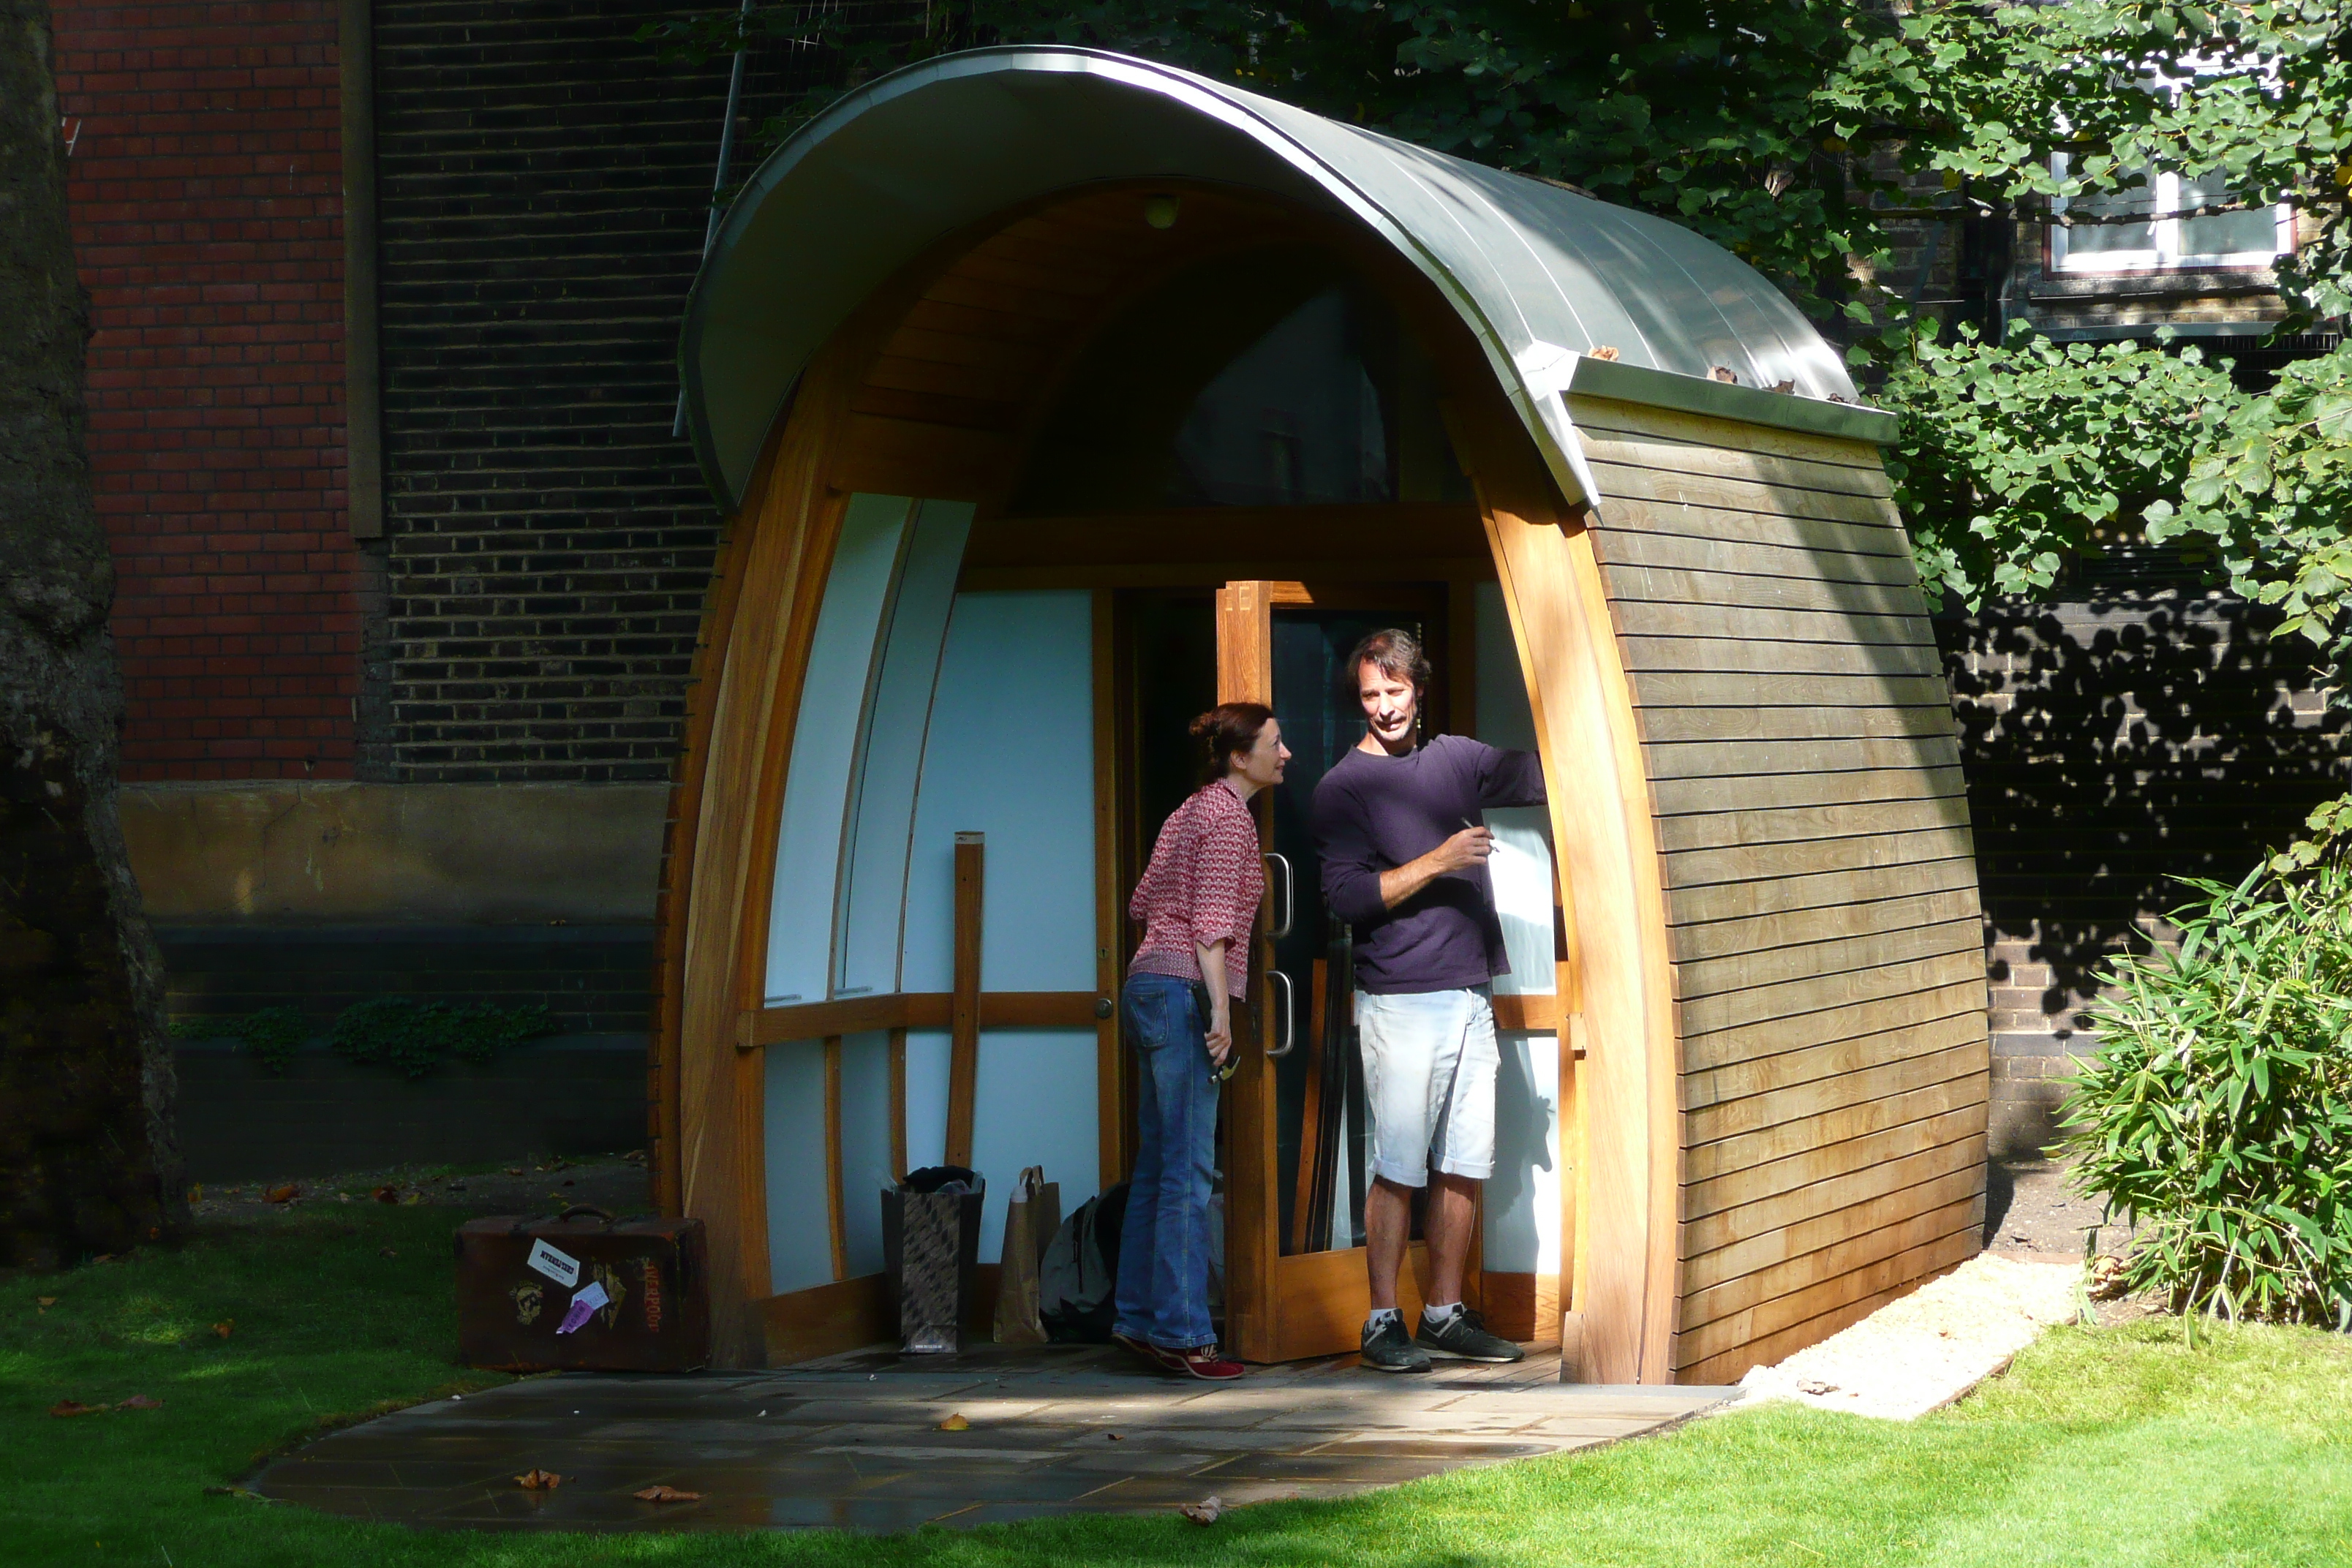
1206,1365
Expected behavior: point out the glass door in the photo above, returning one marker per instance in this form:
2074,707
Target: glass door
1295,1147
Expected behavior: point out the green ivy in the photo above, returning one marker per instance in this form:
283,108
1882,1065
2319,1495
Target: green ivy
271,1035
2015,459
2217,1115
414,1037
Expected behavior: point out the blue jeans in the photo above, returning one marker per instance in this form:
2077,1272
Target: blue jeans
1163,1250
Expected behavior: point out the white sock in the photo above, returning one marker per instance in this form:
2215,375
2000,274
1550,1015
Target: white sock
1437,1317
1381,1316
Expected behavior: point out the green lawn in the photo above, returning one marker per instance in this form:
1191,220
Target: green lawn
2108,1448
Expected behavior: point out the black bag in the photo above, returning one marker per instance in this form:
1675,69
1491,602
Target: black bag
930,1250
1077,1285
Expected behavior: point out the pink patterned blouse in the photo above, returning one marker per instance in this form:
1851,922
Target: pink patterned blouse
1203,884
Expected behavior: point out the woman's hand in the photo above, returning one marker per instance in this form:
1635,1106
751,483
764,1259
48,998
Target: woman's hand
1220,1035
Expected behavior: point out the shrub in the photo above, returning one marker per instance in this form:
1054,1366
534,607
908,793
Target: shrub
271,1035
2217,1114
414,1037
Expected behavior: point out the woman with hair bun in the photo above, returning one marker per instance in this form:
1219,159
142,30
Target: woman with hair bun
1198,901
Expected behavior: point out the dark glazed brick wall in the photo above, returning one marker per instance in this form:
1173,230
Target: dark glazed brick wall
205,183
2111,746
543,190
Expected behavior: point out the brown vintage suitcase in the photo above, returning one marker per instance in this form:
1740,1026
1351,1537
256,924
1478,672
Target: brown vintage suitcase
635,1292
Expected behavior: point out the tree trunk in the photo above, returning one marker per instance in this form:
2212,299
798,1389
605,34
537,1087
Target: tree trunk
87,1159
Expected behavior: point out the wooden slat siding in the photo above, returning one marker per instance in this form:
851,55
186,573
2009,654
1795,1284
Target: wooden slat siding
1853,1056
1641,617
1918,1101
1619,457
1732,1365
1813,826
1723,973
1723,1010
1720,793
1748,1254
1766,691
1743,900
1926,1060
1608,419
1701,592
1853,524
1866,917
1788,562
1744,722
1807,857
1777,1327
1776,1037
1715,655
1738,825
1815,1165
1833,1269
1833,1194
1697,759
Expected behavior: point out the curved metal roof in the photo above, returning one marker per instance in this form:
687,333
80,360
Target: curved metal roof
1542,276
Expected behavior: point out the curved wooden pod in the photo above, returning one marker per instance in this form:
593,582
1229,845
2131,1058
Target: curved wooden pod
1780,1108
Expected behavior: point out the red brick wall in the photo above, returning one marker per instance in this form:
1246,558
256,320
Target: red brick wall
206,187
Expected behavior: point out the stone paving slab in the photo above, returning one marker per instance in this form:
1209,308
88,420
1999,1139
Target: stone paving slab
852,1442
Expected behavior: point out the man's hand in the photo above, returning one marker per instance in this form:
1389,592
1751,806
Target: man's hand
1459,853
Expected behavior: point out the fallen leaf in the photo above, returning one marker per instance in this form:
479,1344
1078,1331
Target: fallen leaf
514,1170
154,1233
1606,351
74,1407
1815,1386
955,1424
1206,1511
387,1252
539,1481
1112,1436
195,1192
140,1402
224,1328
414,1198
666,1494
285,1195
387,1195
45,1302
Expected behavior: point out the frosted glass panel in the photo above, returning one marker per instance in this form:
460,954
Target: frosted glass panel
799,1240
864,1147
1011,755
1034,1104
825,737
1522,1203
890,753
927,1098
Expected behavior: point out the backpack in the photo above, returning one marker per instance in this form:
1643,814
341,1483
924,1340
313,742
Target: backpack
1078,1280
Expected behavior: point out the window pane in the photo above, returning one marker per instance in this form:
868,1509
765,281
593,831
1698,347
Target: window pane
2089,240
2224,234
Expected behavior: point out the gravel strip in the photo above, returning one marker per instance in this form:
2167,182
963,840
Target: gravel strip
1923,1352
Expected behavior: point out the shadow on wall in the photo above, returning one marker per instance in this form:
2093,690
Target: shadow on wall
2112,746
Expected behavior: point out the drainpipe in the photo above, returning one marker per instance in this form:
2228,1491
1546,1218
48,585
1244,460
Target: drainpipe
719,179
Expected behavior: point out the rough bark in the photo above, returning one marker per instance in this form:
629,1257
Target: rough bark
88,1162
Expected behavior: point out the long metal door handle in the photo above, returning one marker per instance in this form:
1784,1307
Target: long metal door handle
1289,1013
1289,895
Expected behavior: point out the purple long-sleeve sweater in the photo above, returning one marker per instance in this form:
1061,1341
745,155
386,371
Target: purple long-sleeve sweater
1373,813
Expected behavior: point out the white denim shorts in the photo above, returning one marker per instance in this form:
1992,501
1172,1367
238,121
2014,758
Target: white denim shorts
1430,1061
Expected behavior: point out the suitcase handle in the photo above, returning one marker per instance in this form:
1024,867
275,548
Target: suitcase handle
604,1215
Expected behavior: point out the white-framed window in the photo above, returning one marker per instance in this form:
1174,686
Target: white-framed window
2155,237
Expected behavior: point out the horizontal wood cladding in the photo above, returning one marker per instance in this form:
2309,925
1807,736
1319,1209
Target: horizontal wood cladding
1814,833
1751,1082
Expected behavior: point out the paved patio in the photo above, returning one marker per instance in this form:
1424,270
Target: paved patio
854,1442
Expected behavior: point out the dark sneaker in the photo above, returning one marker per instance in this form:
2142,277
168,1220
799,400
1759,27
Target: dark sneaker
1391,1349
1465,1338
1207,1364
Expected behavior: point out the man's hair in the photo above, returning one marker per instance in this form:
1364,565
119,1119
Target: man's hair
1396,653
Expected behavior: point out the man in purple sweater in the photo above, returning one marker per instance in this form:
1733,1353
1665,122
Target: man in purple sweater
1398,825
